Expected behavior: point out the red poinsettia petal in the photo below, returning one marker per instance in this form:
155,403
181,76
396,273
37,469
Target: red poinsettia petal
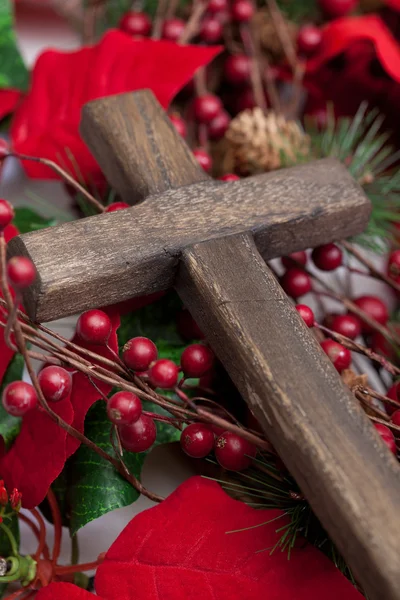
58,591
46,123
38,454
6,353
84,393
393,4
339,34
8,101
180,549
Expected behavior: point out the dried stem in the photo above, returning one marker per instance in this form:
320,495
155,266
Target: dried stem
370,266
252,50
193,25
162,6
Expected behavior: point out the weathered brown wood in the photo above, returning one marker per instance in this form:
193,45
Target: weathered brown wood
319,430
108,258
139,149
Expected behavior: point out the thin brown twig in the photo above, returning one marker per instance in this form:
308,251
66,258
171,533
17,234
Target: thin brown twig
370,266
193,25
250,45
159,18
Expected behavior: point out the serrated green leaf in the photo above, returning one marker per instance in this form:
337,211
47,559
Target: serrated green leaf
13,73
9,425
27,220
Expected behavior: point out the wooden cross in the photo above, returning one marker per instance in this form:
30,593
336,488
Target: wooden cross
210,240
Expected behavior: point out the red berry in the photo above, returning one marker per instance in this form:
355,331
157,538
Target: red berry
206,108
94,327
381,345
309,39
196,360
306,314
294,259
237,68
204,159
216,6
395,418
327,257
233,452
187,326
55,383
244,100
138,436
393,268
19,398
393,394
139,353
338,354
296,282
21,272
172,29
197,440
347,325
242,11
116,206
218,126
337,8
230,177
211,30
386,436
124,408
375,308
179,124
6,214
164,374
135,23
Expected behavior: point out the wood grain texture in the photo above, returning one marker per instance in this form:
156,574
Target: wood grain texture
350,478
112,257
137,146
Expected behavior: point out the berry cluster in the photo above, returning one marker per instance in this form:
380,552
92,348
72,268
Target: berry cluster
232,452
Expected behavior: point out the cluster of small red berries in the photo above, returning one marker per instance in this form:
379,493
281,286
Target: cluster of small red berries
15,498
231,450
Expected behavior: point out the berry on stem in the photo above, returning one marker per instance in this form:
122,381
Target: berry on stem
19,398
347,325
6,214
242,11
94,327
138,353
55,383
327,257
204,159
135,23
233,452
375,308
172,29
386,436
338,354
306,314
237,69
292,260
229,177
309,39
206,108
196,360
211,30
124,408
395,418
197,440
138,436
116,206
337,8
218,126
164,374
21,272
217,6
296,282
178,123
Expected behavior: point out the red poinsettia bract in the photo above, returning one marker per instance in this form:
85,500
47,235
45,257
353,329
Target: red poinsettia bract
46,124
181,549
6,354
9,99
39,452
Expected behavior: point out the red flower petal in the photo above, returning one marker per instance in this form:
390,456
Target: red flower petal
341,33
84,394
58,591
47,122
8,101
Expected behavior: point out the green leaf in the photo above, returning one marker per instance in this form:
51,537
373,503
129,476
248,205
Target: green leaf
10,426
27,220
13,73
94,486
5,545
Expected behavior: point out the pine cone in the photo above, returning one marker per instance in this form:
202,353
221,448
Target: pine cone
269,40
261,142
